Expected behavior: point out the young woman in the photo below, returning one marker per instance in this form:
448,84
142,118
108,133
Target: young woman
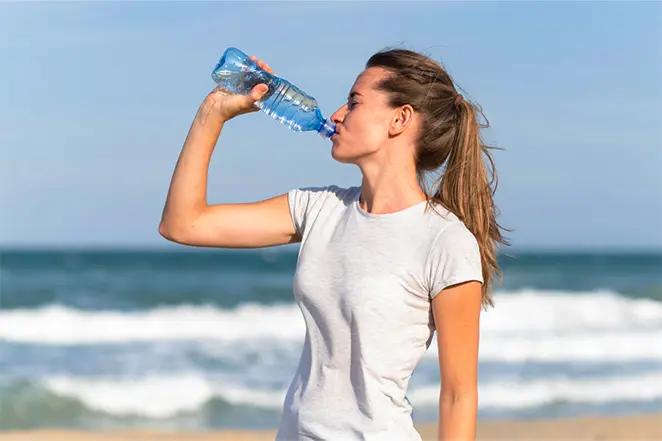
382,266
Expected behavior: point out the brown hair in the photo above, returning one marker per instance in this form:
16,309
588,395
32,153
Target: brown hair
450,137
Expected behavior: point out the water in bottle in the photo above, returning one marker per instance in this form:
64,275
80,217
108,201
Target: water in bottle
237,73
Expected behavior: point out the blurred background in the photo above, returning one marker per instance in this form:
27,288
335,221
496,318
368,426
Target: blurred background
104,324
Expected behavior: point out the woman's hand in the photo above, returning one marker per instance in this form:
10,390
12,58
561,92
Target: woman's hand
225,105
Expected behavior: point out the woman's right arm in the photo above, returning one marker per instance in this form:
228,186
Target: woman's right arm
187,217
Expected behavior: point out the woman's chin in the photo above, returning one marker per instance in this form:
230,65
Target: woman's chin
338,154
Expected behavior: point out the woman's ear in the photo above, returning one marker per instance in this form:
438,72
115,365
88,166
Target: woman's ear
402,118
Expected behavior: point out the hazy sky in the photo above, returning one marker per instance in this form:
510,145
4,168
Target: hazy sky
96,100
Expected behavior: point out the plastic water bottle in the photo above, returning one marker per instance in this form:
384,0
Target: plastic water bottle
237,73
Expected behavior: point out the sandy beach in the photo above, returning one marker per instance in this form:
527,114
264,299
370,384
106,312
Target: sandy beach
624,428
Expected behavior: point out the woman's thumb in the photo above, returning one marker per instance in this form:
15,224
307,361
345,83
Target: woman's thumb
259,91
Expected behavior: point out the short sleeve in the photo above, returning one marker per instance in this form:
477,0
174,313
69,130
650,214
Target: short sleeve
454,258
305,204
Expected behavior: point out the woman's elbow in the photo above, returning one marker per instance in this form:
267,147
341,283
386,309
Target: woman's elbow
168,232
465,395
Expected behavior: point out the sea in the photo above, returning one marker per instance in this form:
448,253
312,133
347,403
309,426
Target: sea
210,339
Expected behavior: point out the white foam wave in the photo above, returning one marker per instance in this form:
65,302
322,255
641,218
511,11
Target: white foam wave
163,397
522,394
612,346
62,325
530,311
525,326
159,396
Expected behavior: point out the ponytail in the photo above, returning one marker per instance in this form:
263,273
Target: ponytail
467,187
450,138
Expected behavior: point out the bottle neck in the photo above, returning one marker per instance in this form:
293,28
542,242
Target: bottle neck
327,129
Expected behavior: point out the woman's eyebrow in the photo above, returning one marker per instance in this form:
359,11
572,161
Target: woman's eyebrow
353,94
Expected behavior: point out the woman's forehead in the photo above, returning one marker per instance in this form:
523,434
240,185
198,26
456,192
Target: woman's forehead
367,79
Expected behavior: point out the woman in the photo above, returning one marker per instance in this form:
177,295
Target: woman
381,266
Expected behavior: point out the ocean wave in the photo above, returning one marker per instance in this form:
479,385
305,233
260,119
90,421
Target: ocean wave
162,397
526,310
588,346
562,311
62,325
536,393
158,396
68,403
525,326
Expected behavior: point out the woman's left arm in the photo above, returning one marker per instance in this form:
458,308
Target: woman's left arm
456,312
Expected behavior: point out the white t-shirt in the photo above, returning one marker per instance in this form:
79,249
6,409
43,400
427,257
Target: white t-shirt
364,284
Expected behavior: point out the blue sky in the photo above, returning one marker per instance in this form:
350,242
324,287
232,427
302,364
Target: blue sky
96,100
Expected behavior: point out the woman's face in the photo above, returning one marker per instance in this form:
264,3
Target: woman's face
363,124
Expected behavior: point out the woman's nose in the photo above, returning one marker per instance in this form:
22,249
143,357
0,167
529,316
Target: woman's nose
339,115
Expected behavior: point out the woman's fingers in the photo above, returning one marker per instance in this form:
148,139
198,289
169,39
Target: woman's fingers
261,64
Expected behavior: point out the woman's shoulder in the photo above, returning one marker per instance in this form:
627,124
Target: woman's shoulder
444,225
330,192
310,203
